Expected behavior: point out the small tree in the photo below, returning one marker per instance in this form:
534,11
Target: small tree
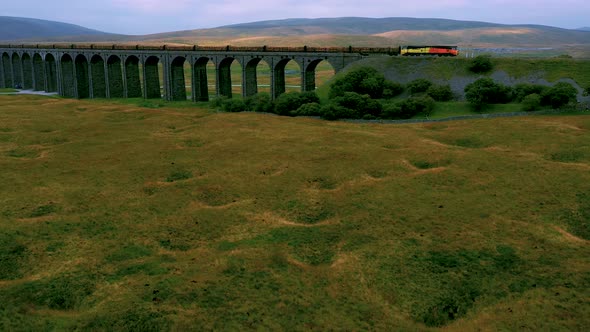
260,102
392,89
360,104
531,102
419,85
522,90
309,109
363,80
440,92
485,91
481,64
559,95
417,105
288,103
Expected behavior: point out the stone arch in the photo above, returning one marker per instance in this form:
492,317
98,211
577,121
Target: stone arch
8,82
279,82
38,72
311,74
200,81
177,79
51,73
224,77
99,85
17,70
251,77
82,77
67,74
115,77
27,71
152,77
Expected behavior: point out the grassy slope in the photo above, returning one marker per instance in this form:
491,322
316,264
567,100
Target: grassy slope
447,68
114,217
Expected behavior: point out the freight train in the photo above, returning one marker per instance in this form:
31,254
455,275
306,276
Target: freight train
396,50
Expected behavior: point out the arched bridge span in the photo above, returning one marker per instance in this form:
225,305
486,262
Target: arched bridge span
129,71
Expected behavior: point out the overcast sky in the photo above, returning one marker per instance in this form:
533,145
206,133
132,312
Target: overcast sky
152,16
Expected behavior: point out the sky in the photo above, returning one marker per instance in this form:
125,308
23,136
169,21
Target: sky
154,16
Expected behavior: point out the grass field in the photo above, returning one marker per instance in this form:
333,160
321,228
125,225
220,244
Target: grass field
119,217
7,90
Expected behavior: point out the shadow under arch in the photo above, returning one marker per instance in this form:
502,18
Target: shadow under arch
99,85
82,77
200,84
38,73
115,77
152,78
133,77
178,79
6,65
17,74
27,71
51,73
67,74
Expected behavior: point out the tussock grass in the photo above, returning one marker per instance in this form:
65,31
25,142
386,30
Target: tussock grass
288,223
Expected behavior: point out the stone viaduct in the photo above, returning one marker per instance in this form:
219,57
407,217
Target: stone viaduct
133,71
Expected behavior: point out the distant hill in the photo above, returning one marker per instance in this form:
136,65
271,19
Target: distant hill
376,31
343,31
20,28
584,29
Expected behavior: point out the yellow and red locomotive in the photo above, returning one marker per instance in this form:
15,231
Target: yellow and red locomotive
428,50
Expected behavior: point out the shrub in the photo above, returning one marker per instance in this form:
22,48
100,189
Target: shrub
363,80
288,103
218,101
234,105
522,90
360,104
260,102
531,102
421,105
309,109
559,95
440,92
392,111
419,85
333,111
485,91
481,64
392,89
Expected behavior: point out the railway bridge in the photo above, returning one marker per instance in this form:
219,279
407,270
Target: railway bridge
135,71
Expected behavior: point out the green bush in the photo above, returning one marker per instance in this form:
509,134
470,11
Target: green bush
440,92
392,111
234,105
392,89
419,85
363,80
522,90
260,102
559,95
417,105
288,103
333,111
485,91
360,104
531,102
309,109
481,64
